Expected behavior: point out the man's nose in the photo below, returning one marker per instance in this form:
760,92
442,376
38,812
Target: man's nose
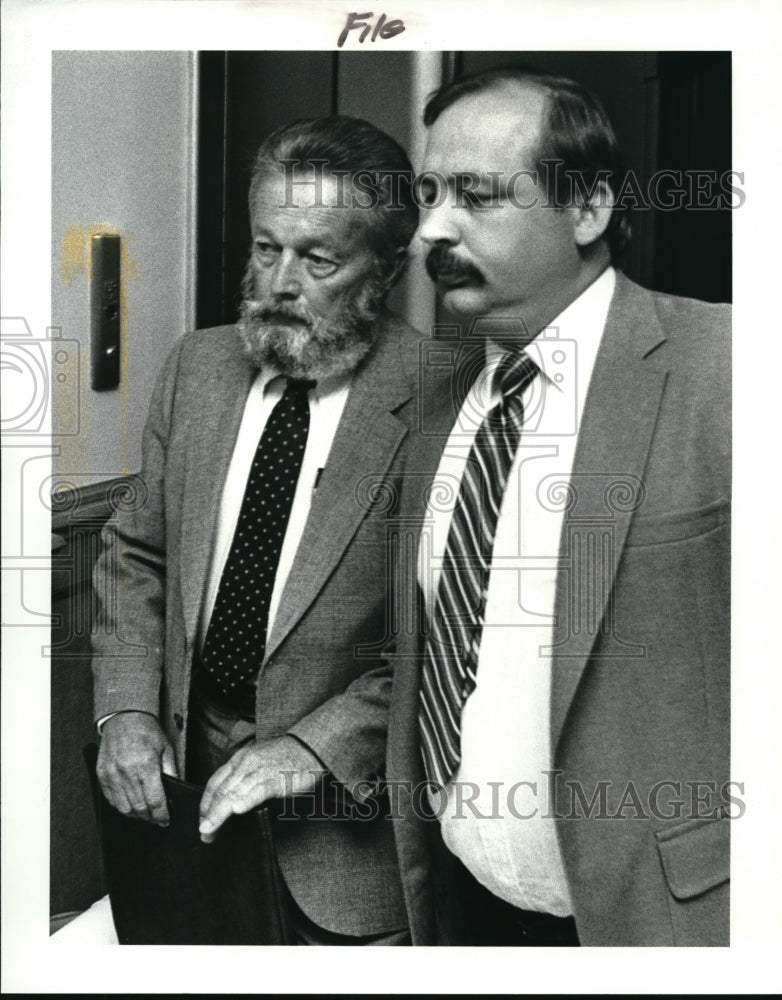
286,276
439,224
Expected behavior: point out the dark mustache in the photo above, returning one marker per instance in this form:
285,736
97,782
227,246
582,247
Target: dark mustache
442,262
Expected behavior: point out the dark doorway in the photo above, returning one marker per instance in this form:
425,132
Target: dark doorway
671,111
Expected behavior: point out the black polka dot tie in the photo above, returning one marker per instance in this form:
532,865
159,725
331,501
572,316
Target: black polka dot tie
236,638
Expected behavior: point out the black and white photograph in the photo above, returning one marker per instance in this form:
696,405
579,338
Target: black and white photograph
384,549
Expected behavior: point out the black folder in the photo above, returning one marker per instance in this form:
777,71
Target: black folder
167,887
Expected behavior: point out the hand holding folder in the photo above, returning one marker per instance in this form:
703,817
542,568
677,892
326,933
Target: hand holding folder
167,887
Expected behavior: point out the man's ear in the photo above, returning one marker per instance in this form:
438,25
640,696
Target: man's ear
593,216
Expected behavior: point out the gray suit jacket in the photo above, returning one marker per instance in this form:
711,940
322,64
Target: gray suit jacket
640,683
322,679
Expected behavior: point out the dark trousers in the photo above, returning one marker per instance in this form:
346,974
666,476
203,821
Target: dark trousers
468,914
492,921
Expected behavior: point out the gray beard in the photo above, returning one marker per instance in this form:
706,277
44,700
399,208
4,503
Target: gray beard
292,340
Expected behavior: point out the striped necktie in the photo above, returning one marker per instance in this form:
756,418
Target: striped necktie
451,654
235,641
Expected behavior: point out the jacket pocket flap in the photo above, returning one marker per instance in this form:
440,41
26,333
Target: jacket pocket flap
695,857
656,529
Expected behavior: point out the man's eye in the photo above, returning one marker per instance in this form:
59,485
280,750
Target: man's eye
265,250
321,265
474,200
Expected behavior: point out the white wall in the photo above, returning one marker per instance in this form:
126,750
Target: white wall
123,160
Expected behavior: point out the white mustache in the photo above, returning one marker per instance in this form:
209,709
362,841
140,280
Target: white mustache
269,311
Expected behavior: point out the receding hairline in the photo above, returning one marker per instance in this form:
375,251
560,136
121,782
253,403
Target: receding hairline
335,188
512,90
509,84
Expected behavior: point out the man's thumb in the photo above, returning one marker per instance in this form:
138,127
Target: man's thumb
167,761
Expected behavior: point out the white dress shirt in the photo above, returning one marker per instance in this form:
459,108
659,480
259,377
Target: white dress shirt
327,401
502,830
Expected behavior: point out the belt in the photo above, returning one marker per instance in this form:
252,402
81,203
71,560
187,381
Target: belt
240,702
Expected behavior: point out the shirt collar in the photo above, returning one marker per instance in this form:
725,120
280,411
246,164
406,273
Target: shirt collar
271,380
581,322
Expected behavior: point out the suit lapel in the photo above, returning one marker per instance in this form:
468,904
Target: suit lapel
441,401
442,395
211,438
367,439
448,368
615,434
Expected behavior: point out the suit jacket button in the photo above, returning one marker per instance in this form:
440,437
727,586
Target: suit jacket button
179,722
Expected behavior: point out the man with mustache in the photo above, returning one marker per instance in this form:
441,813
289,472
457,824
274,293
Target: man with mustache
559,727
254,578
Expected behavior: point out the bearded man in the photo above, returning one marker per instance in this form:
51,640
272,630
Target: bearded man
250,588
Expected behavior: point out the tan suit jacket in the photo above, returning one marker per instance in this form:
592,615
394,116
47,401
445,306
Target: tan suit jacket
640,683
322,678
